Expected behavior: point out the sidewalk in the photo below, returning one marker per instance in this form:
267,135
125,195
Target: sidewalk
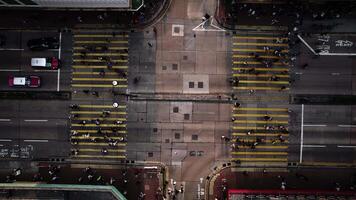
302,178
57,19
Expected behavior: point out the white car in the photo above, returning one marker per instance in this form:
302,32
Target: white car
24,81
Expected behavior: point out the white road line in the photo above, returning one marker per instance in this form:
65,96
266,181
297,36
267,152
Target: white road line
347,126
60,44
58,78
42,70
11,49
35,140
5,140
36,120
317,125
301,136
346,146
306,44
5,120
314,146
9,70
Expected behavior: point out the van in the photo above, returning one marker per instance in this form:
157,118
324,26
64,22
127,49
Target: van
49,63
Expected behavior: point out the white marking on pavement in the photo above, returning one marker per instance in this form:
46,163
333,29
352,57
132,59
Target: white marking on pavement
299,73
43,70
58,78
337,54
35,140
5,120
5,140
346,146
347,126
317,125
314,146
36,120
9,70
60,45
11,49
301,136
335,74
306,44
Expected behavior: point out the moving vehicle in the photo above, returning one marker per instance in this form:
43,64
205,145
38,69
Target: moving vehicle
44,43
48,63
24,81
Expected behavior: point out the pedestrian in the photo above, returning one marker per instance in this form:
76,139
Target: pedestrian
79,18
104,151
95,93
281,139
83,122
282,88
251,92
273,78
304,66
236,104
85,91
100,17
97,122
149,44
109,65
267,118
233,119
102,73
74,106
249,132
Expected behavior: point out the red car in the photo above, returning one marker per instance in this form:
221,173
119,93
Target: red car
24,81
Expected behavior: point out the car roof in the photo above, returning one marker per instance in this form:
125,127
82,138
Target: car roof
38,62
19,80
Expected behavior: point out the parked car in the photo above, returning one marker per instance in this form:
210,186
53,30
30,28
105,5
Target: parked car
47,63
44,43
24,81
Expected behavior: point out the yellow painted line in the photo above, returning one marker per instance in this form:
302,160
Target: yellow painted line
102,54
98,156
97,60
101,125
93,73
265,147
258,115
248,128
255,63
97,144
259,153
100,42
269,82
95,131
259,44
265,141
248,56
101,106
263,69
263,109
100,35
97,67
257,50
260,134
101,119
110,48
97,113
99,79
258,88
99,85
259,37
260,122
92,137
99,150
259,75
262,159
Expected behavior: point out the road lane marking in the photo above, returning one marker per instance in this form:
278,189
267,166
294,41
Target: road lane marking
255,63
95,131
100,125
264,109
98,67
93,73
258,115
100,42
261,134
92,137
265,141
97,60
260,122
258,88
96,112
99,79
262,69
265,147
11,49
5,120
100,106
260,75
262,159
110,48
44,70
98,144
35,140
102,54
248,56
5,140
313,146
58,78
100,35
99,156
9,70
36,120
347,126
263,82
346,146
259,37
301,136
260,153
99,85
99,150
260,44
257,50
101,119
314,125
60,45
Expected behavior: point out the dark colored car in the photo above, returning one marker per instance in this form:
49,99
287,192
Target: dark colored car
45,43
